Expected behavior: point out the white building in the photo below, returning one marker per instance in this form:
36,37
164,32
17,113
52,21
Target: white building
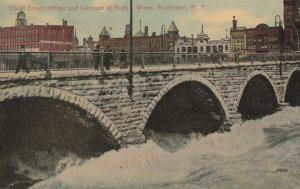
187,48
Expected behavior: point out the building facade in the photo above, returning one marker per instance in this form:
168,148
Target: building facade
237,38
292,24
190,48
264,39
143,42
37,37
88,44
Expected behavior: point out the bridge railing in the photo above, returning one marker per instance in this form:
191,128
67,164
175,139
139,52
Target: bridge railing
51,61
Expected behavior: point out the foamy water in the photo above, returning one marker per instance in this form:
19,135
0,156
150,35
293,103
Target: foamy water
263,153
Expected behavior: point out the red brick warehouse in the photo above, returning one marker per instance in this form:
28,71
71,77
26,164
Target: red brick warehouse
36,37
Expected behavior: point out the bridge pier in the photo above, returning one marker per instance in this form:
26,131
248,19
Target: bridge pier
282,105
235,118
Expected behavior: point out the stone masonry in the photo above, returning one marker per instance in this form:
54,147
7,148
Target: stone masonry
104,95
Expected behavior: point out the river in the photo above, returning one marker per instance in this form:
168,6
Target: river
262,153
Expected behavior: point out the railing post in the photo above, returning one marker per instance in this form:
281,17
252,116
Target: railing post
174,60
102,61
280,68
285,57
293,56
143,61
48,61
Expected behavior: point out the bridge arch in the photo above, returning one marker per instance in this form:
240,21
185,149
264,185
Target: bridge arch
176,82
255,76
65,96
292,87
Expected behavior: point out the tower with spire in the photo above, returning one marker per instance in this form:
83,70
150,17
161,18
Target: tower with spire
203,36
104,38
140,33
21,19
104,33
76,41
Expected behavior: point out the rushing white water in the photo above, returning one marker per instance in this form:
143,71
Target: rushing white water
263,153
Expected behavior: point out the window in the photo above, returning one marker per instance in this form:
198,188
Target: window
195,50
214,48
226,47
183,49
208,49
220,48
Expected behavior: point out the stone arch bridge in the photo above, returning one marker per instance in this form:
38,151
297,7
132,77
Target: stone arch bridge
223,94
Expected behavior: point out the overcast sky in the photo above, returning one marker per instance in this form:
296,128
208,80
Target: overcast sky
216,15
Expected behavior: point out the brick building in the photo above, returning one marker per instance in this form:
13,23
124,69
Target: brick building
37,37
261,39
264,39
292,24
237,37
143,42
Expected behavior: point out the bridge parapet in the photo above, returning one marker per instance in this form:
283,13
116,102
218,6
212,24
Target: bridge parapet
108,91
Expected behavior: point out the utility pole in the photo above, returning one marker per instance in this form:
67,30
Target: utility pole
163,31
130,91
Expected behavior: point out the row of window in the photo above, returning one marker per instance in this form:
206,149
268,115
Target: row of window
264,39
209,49
18,39
253,47
34,46
238,40
155,42
32,38
33,32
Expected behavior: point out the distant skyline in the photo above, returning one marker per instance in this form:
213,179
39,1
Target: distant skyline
215,15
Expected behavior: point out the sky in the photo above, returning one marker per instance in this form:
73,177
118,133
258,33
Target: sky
189,15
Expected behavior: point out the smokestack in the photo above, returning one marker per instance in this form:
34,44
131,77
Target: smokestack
234,23
65,22
146,30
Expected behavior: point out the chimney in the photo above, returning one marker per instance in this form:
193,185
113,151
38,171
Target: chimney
127,31
146,30
234,24
65,22
154,34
